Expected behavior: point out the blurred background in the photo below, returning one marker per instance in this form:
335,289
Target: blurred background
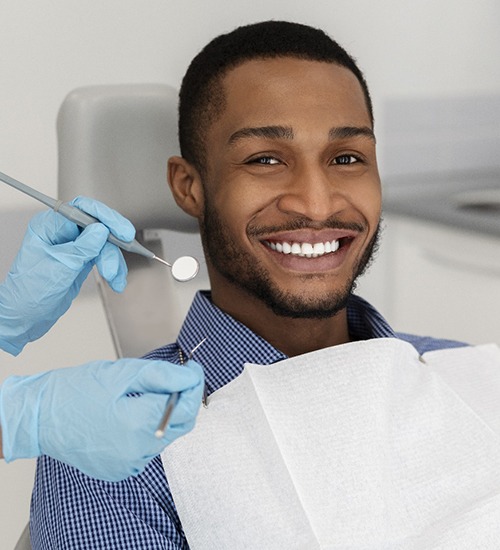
434,73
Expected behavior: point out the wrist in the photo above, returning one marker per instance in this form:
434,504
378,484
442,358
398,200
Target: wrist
19,408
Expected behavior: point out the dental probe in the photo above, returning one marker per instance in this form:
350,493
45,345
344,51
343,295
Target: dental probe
172,401
183,269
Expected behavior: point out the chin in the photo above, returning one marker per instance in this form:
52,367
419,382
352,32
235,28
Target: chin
300,306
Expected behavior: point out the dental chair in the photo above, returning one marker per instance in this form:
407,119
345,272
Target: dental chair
113,145
114,142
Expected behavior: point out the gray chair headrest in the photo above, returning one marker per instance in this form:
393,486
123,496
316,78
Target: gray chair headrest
114,142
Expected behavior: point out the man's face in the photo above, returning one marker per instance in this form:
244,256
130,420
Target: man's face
292,192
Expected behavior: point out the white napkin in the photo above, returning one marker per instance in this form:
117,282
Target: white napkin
360,446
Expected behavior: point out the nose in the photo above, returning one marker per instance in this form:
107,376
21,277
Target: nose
312,192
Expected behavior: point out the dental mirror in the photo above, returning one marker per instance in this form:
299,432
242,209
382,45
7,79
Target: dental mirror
185,268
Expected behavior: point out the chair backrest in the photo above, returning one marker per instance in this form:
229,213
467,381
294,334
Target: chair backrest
113,143
24,542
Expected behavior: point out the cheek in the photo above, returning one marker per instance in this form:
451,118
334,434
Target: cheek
241,203
368,200
230,207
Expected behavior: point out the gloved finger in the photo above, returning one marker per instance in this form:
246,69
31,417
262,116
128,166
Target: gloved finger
175,431
52,228
112,267
187,406
141,415
84,249
117,224
164,377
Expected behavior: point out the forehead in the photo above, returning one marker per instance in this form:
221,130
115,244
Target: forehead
288,90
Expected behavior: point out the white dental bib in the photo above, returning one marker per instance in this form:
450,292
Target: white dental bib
360,446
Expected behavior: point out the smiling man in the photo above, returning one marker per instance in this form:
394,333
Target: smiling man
288,198
279,167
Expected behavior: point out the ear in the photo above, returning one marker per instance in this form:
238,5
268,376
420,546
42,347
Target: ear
185,184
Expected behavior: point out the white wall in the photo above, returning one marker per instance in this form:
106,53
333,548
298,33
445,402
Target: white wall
425,48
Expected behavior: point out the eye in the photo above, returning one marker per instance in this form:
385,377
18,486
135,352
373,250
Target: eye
264,160
346,159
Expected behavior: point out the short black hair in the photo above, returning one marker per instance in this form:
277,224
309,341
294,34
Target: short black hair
201,97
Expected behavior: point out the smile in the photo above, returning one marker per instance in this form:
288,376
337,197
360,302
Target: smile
304,250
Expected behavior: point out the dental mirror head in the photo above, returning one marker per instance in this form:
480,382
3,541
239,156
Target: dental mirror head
185,268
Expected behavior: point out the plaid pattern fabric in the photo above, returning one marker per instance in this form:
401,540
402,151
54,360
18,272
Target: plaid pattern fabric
72,511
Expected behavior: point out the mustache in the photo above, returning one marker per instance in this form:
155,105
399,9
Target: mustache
305,223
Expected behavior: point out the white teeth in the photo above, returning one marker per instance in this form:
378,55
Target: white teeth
319,249
305,250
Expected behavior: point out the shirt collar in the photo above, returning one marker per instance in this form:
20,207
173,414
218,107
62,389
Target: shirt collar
365,322
236,344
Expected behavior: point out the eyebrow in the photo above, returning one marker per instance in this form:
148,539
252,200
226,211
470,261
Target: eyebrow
285,132
270,132
345,132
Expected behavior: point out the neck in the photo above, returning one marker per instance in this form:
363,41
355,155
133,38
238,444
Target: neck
289,335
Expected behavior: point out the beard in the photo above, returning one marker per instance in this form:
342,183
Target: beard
245,272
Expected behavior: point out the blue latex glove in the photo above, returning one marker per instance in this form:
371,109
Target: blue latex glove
83,416
54,260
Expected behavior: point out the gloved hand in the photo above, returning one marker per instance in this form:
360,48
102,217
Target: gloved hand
83,416
54,260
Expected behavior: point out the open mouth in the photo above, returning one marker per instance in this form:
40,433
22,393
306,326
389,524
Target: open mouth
305,249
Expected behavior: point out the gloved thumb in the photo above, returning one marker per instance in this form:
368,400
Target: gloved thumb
117,224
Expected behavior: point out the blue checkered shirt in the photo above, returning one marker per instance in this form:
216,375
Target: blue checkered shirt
70,510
